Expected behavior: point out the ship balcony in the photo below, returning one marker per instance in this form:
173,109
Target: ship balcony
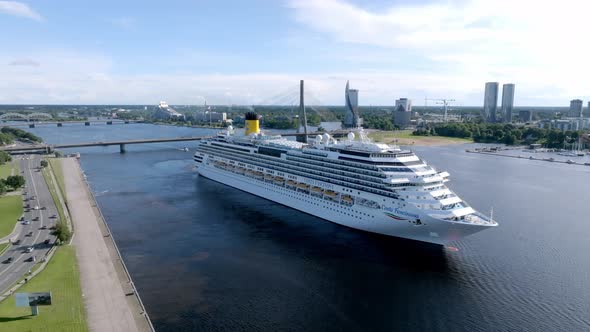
444,174
450,200
396,180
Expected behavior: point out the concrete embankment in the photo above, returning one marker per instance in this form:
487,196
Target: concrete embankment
110,298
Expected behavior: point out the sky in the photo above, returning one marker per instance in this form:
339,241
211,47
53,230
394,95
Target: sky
254,52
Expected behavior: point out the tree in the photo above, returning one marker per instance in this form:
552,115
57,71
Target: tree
44,163
4,157
58,154
62,231
3,188
15,181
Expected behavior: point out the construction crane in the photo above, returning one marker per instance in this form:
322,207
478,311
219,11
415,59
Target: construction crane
441,101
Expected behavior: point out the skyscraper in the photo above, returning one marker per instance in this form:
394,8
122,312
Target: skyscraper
490,102
351,102
576,107
402,112
403,104
507,101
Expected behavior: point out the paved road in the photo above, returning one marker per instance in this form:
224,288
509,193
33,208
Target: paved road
35,187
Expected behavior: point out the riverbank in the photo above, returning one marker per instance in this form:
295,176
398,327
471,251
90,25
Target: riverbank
405,137
110,298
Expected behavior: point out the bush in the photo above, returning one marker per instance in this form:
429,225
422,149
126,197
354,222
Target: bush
44,163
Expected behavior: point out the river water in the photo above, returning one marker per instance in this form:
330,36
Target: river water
206,257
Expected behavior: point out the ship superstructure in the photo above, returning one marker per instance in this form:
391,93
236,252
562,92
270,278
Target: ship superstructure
353,182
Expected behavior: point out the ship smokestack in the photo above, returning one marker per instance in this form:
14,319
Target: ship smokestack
252,123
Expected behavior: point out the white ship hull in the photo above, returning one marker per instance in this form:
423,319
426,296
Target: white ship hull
373,220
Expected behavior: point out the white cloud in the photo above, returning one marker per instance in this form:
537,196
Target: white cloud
68,77
24,62
16,8
538,45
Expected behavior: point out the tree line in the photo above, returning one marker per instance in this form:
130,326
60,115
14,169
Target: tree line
508,134
8,135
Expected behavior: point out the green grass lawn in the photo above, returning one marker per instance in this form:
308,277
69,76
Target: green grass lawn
3,247
59,175
381,136
62,278
11,208
5,170
53,190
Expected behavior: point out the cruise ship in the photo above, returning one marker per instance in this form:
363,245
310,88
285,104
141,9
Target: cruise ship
353,182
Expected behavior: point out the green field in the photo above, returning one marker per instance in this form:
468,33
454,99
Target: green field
11,208
388,136
53,190
59,175
3,247
5,170
61,277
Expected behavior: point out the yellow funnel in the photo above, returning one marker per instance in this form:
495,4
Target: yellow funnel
252,127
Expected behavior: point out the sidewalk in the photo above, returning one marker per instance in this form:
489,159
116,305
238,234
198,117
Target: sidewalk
104,297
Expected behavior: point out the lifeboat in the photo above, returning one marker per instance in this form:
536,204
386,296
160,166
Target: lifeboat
317,190
268,177
346,200
302,186
330,193
259,175
291,183
279,180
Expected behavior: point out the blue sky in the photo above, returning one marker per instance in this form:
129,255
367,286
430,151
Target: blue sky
247,52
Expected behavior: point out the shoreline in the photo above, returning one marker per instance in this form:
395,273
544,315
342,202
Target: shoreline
112,302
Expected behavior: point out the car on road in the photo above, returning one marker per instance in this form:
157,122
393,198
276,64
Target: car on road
46,241
29,249
53,216
16,243
36,207
30,234
30,259
43,227
43,208
36,219
8,260
26,222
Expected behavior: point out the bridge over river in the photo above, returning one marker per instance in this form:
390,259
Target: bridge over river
48,148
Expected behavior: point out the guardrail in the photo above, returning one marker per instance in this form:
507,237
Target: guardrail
110,234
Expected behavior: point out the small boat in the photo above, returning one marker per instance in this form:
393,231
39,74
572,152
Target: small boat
587,164
330,193
317,189
302,186
185,149
569,161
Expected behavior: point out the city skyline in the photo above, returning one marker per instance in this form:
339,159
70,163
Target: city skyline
244,53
